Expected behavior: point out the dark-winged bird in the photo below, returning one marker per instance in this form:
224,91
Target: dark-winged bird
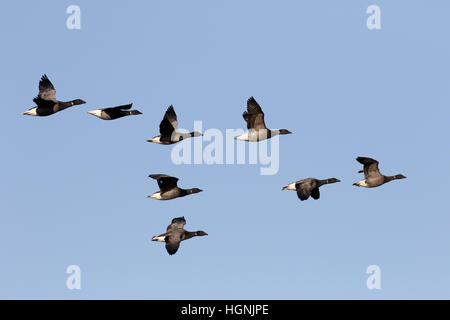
114,112
175,234
168,130
372,176
46,100
169,189
257,130
309,187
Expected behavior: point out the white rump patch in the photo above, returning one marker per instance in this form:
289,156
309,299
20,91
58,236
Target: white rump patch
155,139
156,195
97,113
243,137
290,186
31,112
159,238
362,183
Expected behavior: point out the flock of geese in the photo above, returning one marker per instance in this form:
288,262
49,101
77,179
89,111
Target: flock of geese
47,104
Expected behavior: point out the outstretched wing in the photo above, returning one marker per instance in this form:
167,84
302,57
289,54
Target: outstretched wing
122,107
169,123
303,190
177,223
173,241
165,182
254,116
315,193
46,89
370,167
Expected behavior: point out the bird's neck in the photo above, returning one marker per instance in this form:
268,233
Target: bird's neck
65,104
322,182
189,234
389,178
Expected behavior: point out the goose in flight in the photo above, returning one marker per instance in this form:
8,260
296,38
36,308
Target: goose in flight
114,112
175,233
46,100
168,130
169,189
309,187
372,176
257,130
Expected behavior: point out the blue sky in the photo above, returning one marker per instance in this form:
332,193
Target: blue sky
73,187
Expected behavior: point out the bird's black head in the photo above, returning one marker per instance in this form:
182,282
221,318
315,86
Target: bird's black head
194,190
400,176
201,233
78,101
284,131
333,180
196,134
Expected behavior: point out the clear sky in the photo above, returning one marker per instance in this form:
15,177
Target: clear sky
73,187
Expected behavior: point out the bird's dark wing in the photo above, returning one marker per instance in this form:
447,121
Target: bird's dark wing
315,193
303,190
370,167
177,223
173,241
254,116
122,107
165,182
45,104
117,112
169,123
46,89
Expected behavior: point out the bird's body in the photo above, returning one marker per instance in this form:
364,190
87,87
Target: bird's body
114,112
175,233
169,189
257,130
168,129
309,187
372,176
46,103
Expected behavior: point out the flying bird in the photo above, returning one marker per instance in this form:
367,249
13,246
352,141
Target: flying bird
309,187
46,100
114,112
175,234
372,176
257,130
169,189
168,129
